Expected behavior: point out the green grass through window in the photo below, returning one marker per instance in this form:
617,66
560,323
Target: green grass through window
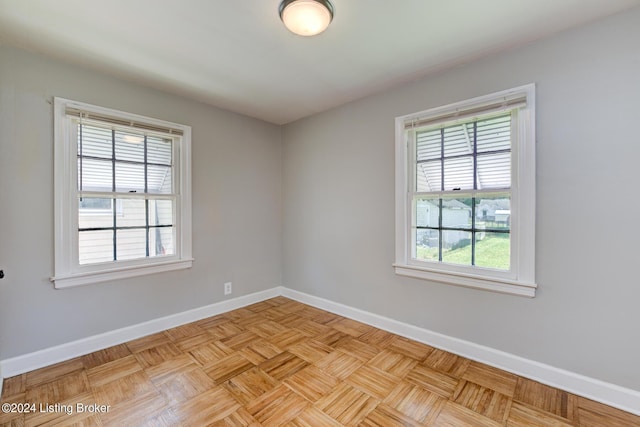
493,252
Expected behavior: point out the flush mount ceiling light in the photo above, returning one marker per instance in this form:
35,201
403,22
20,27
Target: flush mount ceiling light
306,17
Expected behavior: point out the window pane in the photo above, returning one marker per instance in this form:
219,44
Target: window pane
161,241
458,173
493,212
494,134
131,244
94,204
129,146
427,213
95,175
95,142
129,177
493,250
458,140
95,213
429,176
160,212
426,244
159,179
159,150
95,246
132,215
456,213
428,145
456,247
494,171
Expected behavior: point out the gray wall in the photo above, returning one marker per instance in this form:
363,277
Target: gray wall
236,208
338,186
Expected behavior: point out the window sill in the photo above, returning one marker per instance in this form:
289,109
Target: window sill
80,279
505,286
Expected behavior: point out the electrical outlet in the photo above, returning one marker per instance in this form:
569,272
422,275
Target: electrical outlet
228,288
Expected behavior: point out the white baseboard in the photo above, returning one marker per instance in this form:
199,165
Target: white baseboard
49,356
610,394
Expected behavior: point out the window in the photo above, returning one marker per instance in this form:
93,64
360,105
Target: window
465,193
123,195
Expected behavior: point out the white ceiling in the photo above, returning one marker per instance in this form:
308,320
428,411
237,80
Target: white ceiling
237,55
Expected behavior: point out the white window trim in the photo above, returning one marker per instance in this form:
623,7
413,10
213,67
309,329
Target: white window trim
520,280
68,272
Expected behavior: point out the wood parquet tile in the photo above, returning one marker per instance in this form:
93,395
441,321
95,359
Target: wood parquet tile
339,364
492,378
415,402
53,372
311,383
483,401
167,368
432,380
383,415
228,367
105,356
313,417
446,362
111,371
250,385
311,351
358,349
372,381
283,363
183,384
277,407
395,364
547,398
347,404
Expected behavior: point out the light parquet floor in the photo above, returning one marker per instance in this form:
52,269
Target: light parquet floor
283,363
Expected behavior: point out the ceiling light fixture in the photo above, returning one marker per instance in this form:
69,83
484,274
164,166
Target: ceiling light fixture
306,17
